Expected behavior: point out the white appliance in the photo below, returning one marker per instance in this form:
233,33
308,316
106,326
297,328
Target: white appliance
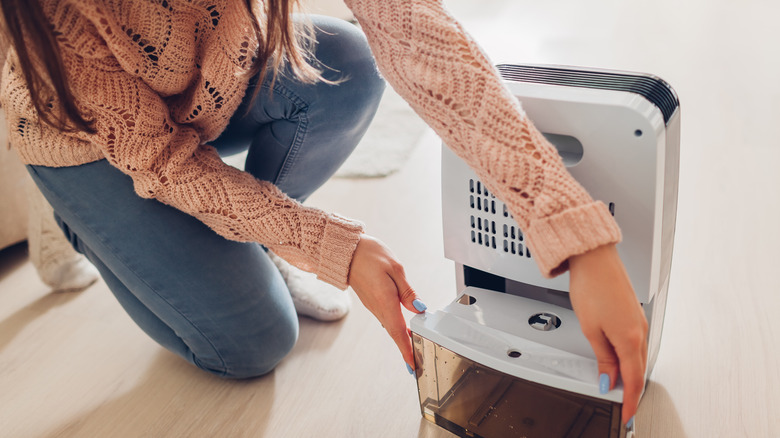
507,357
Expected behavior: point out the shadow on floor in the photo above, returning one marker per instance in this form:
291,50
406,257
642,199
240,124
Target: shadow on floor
657,416
12,258
16,322
175,399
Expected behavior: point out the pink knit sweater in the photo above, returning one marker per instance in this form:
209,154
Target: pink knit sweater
162,78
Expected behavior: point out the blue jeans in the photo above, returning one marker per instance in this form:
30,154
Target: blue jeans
221,305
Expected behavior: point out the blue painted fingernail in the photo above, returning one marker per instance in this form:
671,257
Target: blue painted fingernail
603,383
409,368
419,305
630,424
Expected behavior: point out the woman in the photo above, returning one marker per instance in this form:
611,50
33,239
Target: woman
121,108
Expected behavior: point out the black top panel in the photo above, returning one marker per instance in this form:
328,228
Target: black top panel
652,88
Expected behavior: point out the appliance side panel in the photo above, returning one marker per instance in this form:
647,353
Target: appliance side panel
671,187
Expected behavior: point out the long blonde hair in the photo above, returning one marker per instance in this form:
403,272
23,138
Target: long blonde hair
26,29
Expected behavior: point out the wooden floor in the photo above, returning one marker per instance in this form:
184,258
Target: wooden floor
74,365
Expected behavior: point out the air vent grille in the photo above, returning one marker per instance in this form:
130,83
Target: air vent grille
492,225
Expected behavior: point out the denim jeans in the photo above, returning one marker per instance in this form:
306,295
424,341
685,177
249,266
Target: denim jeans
222,305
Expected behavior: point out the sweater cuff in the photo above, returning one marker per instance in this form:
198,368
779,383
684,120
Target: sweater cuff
554,239
339,241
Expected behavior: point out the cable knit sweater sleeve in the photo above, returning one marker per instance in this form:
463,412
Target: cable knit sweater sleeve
167,162
429,59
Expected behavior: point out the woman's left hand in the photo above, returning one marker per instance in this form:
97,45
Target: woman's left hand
611,319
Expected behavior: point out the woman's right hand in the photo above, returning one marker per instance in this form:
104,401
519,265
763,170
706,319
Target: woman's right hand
379,281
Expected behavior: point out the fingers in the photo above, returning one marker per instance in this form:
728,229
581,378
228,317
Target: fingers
379,281
629,362
406,294
396,328
632,369
388,311
607,360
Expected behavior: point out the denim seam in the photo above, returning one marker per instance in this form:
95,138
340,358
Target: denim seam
120,259
300,131
292,154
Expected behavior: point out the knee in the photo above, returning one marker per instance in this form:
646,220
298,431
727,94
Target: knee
345,57
255,354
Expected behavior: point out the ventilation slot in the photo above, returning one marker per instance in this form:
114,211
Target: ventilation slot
487,226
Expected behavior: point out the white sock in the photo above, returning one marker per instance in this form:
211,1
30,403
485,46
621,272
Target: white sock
311,296
57,263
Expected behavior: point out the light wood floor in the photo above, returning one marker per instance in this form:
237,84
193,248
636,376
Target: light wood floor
74,365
